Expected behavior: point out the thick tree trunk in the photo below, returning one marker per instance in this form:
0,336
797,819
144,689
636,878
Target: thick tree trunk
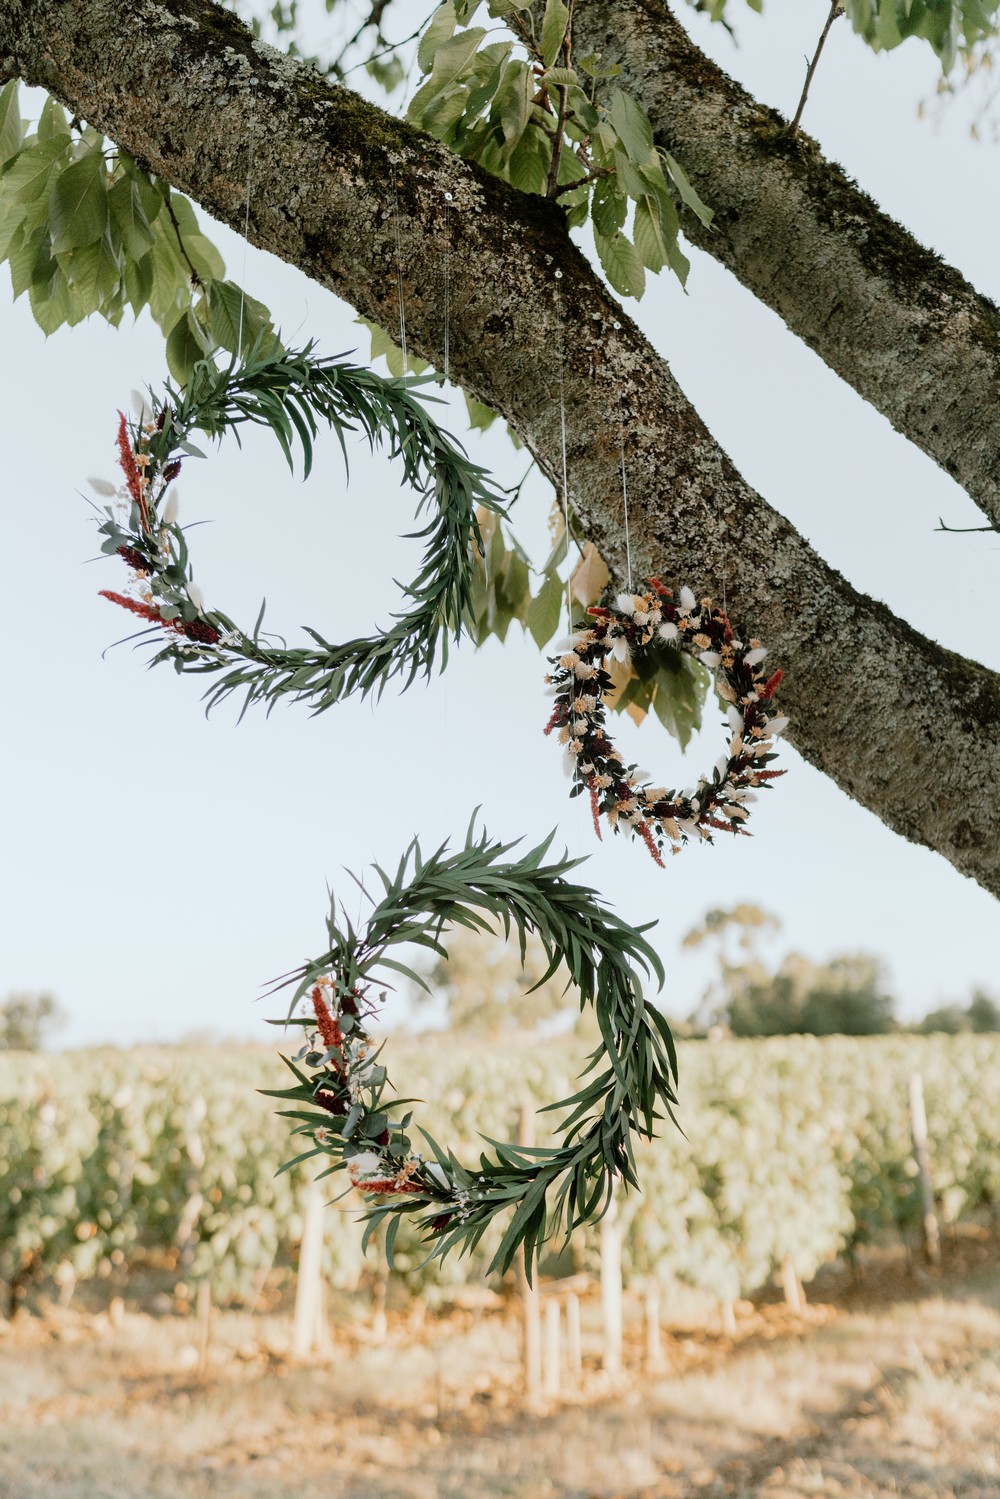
907,331
903,725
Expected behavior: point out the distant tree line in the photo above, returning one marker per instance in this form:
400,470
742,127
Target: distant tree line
845,996
25,1019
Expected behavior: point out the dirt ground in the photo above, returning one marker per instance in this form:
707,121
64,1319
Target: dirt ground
890,1388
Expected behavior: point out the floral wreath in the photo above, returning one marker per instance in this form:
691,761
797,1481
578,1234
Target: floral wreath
290,392
618,791
341,1094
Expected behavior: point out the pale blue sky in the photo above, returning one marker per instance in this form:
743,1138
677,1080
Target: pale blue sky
159,867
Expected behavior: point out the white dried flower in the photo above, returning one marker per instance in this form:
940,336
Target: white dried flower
103,487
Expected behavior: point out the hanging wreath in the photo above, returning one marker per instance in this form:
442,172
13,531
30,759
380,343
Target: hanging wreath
659,816
342,1096
291,393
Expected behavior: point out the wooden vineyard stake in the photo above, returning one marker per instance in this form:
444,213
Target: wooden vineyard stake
552,1361
308,1284
531,1326
921,1151
611,1289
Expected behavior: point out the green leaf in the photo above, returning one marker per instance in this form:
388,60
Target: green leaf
452,58
528,169
609,207
515,92
439,31
545,610
52,304
31,262
129,220
27,179
554,23
11,127
648,234
681,688
78,204
52,121
226,301
621,264
688,195
481,417
633,127
186,344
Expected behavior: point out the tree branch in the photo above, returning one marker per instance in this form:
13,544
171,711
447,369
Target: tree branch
835,11
905,329
905,726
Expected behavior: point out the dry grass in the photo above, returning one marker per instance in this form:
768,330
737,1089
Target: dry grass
883,1400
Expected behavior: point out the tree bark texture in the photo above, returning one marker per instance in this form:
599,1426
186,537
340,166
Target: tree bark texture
907,331
903,725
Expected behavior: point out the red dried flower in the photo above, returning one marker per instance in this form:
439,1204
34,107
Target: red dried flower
134,606
196,629
325,1022
595,809
134,558
133,479
770,685
646,834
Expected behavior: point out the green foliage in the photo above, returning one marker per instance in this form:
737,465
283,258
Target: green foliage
557,126
790,1146
85,230
947,25
547,1191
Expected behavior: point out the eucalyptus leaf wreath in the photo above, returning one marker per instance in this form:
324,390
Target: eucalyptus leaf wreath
342,1098
291,393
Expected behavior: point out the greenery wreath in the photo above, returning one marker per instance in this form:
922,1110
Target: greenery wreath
290,392
342,1093
640,623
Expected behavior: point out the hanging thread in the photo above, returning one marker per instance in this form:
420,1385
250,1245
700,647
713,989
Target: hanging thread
562,440
447,284
399,270
621,443
246,215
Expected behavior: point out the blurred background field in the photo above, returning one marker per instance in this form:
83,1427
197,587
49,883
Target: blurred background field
782,1332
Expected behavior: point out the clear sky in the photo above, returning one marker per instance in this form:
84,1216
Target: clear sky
159,866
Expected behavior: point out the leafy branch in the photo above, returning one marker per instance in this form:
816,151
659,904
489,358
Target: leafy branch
529,111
